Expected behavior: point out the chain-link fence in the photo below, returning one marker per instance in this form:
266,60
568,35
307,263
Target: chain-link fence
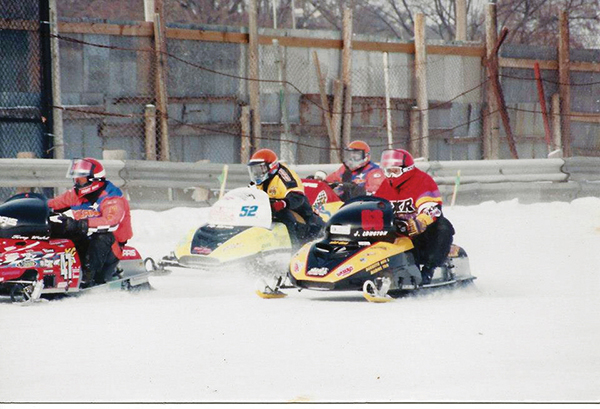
24,115
111,95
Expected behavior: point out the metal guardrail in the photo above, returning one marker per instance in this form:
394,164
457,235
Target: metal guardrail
161,185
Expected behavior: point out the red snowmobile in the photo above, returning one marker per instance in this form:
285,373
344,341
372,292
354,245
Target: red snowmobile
35,265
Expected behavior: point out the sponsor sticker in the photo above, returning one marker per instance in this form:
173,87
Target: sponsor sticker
340,229
370,233
297,266
317,272
378,266
345,270
26,263
5,220
129,253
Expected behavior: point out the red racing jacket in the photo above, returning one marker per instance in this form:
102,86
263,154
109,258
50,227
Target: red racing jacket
369,176
415,196
110,213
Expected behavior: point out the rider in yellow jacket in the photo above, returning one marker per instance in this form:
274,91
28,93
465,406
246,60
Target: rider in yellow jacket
286,191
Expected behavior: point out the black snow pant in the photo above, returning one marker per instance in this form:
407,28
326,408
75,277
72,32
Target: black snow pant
98,260
432,246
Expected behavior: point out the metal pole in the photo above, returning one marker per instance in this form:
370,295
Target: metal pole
388,112
274,13
150,131
149,10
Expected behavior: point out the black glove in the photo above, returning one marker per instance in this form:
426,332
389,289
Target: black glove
401,226
75,227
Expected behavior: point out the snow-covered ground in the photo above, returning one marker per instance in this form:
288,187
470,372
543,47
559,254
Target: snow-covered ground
528,331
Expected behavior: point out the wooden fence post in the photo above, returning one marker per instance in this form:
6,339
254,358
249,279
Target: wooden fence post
160,49
564,83
556,121
461,20
336,116
414,130
347,74
491,138
421,77
334,153
542,98
253,73
246,144
493,69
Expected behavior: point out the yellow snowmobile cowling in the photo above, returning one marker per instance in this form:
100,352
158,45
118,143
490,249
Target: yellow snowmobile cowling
363,251
371,259
238,229
243,245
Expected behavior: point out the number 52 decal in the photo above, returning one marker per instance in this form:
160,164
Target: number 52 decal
248,211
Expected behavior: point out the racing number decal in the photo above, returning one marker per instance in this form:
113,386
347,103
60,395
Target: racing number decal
372,219
66,265
248,211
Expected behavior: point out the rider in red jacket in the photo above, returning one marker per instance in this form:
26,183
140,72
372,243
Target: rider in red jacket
357,171
418,208
101,223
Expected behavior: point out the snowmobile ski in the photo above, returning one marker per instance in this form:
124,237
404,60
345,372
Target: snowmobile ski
377,291
270,290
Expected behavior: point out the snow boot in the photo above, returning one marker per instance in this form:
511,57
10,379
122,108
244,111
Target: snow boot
426,275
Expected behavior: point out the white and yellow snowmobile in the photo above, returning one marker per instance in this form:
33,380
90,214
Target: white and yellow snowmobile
363,252
239,230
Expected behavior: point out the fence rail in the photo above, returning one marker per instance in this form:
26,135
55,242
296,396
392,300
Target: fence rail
162,185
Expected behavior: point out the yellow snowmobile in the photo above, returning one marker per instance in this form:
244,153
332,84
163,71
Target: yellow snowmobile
363,252
239,231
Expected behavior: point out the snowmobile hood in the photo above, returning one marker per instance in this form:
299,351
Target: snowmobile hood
25,215
337,264
365,219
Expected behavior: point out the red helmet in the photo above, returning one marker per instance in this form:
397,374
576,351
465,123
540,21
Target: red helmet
88,175
396,162
262,165
356,155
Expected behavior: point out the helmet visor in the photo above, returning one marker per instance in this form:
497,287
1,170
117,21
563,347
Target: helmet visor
393,171
80,168
258,172
354,158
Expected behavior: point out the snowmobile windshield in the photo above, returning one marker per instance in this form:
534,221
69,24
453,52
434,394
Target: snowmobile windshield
80,168
258,171
354,158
